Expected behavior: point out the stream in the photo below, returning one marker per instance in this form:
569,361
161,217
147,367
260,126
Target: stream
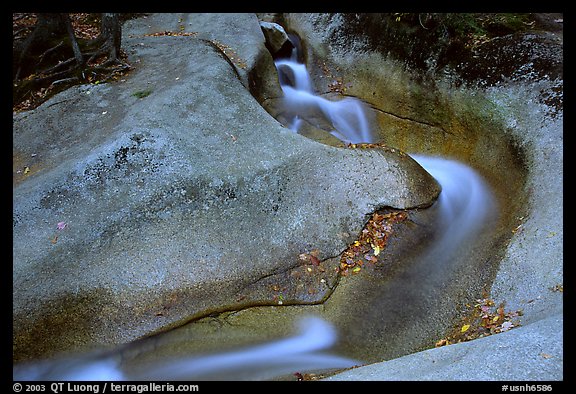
465,201
463,208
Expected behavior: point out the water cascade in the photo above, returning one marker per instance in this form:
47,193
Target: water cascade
285,356
464,205
465,202
347,117
462,208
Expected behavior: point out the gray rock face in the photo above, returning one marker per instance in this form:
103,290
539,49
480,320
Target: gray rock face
537,350
165,195
275,34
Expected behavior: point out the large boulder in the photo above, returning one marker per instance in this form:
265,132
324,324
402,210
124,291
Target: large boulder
170,194
276,37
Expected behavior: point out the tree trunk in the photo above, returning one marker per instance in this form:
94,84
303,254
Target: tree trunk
111,34
49,26
73,41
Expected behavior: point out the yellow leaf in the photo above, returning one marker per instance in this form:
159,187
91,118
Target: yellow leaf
356,269
26,170
465,328
376,250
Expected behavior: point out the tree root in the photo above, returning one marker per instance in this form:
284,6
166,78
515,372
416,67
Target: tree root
87,61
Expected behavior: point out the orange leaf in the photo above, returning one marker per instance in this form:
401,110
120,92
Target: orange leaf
315,261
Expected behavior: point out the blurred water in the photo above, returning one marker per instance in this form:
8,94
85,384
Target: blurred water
301,352
347,115
463,206
465,200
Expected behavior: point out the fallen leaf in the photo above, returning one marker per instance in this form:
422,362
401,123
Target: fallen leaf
376,250
373,259
546,355
465,328
26,170
506,326
314,260
61,225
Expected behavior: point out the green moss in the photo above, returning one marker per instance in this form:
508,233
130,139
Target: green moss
464,23
473,25
510,23
142,93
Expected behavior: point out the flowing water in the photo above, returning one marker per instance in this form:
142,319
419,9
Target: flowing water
301,352
463,206
347,116
465,201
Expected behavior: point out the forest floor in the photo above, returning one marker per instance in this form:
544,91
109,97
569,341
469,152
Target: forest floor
86,26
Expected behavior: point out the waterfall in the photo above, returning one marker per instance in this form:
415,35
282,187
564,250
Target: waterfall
347,116
463,206
465,200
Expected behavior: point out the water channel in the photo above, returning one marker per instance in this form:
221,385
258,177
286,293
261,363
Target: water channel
230,346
